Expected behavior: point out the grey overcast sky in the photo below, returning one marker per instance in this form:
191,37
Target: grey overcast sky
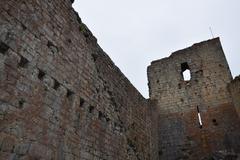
135,32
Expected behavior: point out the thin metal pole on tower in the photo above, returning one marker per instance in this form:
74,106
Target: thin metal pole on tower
210,28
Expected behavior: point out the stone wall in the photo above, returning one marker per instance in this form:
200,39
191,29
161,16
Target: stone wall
179,100
61,96
234,88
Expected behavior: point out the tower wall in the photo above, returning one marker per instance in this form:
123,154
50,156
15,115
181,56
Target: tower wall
234,88
178,102
62,97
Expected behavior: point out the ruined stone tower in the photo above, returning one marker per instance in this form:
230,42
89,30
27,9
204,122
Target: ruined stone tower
180,102
62,97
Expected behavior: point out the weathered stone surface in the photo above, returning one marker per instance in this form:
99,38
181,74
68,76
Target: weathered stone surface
22,148
234,88
7,144
62,97
178,102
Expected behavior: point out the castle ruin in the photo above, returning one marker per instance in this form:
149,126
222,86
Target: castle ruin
63,98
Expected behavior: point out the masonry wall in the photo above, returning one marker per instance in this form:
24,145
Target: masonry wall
181,136
234,88
61,96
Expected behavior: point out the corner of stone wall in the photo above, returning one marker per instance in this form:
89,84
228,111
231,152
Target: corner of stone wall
234,89
154,139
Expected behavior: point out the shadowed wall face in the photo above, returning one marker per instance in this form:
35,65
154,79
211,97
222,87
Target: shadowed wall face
196,116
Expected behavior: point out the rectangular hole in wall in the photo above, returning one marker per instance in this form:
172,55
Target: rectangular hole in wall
23,62
107,119
94,56
100,115
215,123
199,118
52,47
41,74
21,103
3,47
69,93
91,109
82,101
185,71
56,84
